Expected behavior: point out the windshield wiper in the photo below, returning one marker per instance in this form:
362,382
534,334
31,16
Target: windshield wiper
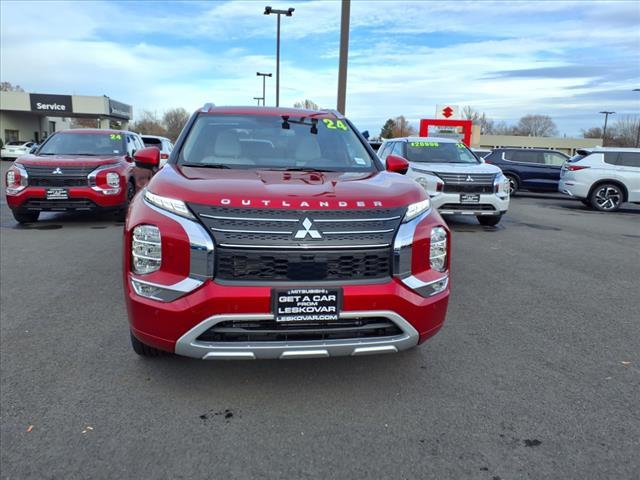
302,169
205,165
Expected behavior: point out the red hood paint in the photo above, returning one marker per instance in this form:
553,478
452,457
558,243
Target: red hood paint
69,160
286,190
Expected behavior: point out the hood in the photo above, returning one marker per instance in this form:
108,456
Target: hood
286,190
455,167
68,161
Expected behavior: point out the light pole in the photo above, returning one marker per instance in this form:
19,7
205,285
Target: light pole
637,134
344,55
264,78
258,99
288,12
604,130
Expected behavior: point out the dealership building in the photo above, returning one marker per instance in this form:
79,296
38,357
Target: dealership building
34,116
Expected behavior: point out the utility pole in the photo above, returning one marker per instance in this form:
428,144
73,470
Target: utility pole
637,134
344,55
264,77
288,12
604,130
258,99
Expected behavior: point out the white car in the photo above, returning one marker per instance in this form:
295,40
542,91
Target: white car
13,150
603,178
161,143
457,182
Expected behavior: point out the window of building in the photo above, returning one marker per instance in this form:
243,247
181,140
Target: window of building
11,136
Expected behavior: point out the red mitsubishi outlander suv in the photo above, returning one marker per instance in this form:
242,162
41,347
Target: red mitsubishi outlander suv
278,233
75,170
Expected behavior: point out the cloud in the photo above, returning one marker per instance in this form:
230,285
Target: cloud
508,59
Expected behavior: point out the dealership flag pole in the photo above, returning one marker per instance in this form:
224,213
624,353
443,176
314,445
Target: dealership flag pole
344,56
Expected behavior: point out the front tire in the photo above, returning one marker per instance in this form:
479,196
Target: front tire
606,197
143,349
25,217
489,221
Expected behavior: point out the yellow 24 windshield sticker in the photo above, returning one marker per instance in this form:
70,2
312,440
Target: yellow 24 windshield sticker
115,136
337,125
424,144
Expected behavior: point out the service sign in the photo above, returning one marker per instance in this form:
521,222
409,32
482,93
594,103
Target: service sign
55,104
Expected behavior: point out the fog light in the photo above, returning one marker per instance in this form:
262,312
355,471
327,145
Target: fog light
145,290
438,249
146,249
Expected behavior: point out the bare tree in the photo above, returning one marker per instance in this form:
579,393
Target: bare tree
307,104
402,127
149,124
624,132
7,87
593,132
174,121
481,119
537,126
502,128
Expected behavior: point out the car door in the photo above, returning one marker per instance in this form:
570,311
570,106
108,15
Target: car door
553,162
529,166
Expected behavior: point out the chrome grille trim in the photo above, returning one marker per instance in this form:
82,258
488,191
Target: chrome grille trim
270,232
305,247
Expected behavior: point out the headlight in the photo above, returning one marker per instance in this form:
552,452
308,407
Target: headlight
113,179
416,209
438,250
176,206
146,249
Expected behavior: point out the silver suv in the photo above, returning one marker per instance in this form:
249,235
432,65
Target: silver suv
456,180
603,178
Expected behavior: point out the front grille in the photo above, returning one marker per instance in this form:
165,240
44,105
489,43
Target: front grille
467,178
452,188
71,176
308,265
272,331
467,207
248,227
59,205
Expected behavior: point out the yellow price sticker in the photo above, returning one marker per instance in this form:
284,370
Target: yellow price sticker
337,125
424,144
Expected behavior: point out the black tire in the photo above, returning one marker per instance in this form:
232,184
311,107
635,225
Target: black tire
489,220
606,197
514,184
131,192
144,350
25,217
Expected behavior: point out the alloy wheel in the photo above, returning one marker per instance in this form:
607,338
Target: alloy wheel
608,197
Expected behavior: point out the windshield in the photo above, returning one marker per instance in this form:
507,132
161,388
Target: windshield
438,152
84,144
267,142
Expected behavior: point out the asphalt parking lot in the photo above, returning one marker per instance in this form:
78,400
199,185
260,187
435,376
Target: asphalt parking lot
536,373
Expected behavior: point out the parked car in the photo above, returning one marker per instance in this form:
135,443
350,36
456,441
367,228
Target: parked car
313,243
455,179
603,178
13,150
375,145
161,143
537,170
75,170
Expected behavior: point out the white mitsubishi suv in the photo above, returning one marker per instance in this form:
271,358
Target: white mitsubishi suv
603,178
456,180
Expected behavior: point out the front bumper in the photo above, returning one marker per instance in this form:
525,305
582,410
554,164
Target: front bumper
175,326
490,204
80,199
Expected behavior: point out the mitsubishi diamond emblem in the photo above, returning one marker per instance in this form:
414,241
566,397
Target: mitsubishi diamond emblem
469,179
57,171
306,230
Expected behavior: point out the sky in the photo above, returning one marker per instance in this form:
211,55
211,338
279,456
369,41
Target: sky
569,60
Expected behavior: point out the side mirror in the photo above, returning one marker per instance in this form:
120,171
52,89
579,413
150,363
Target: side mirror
148,158
397,164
